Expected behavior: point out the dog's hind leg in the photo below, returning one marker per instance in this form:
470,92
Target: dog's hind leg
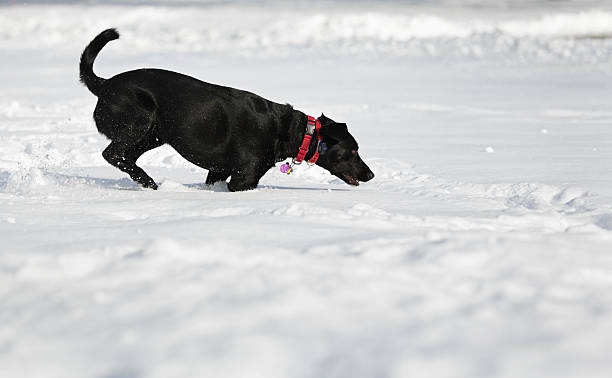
216,176
124,156
128,120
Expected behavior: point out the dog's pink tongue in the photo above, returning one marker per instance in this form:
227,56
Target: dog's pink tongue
351,180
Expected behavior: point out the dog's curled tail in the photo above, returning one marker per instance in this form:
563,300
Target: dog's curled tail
88,77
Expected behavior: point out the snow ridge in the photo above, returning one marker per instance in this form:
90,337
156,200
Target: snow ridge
582,36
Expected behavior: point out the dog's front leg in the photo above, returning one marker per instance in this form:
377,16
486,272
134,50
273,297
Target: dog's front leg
246,178
216,176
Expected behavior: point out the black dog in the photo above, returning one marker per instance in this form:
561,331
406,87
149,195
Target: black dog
225,130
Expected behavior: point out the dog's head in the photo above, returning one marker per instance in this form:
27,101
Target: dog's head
341,158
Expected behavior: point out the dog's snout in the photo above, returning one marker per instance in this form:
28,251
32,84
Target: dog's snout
369,176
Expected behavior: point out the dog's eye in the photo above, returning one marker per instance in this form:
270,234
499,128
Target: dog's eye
354,152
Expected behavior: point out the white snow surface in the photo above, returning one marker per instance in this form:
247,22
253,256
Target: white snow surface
483,247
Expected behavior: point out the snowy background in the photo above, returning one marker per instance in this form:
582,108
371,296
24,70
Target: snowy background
483,247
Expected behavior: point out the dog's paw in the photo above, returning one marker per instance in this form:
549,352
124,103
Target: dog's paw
150,185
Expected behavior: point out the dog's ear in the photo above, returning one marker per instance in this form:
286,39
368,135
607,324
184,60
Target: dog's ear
324,120
333,130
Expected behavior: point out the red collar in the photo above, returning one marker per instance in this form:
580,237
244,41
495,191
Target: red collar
312,126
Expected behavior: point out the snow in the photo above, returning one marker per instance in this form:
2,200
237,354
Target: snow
481,248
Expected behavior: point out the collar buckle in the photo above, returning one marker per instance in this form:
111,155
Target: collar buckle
311,125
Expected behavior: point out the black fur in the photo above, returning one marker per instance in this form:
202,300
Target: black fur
228,131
